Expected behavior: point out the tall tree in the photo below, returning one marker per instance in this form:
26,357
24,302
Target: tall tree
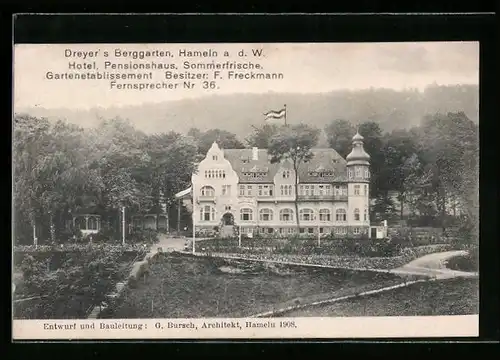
261,136
30,148
373,144
401,161
294,144
171,163
225,139
339,134
450,144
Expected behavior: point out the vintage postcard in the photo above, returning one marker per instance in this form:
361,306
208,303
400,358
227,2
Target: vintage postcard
244,191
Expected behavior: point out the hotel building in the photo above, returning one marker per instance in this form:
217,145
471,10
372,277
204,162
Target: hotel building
242,189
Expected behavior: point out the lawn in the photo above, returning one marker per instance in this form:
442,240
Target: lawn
180,286
445,297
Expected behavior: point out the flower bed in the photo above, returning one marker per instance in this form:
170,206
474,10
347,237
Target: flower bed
355,262
307,247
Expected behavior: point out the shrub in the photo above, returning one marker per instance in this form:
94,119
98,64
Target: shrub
148,236
469,262
70,235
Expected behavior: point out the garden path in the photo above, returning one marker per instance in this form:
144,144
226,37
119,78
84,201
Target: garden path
169,244
434,265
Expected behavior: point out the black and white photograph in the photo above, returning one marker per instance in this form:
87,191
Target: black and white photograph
245,190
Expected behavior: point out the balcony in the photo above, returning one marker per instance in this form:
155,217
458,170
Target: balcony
329,197
206,198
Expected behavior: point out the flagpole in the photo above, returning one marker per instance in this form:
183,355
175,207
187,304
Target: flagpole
285,113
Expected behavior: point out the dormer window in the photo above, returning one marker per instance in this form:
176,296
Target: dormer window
325,173
286,174
214,157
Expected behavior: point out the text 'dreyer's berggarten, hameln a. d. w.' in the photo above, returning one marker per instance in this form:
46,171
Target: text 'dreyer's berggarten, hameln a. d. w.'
164,68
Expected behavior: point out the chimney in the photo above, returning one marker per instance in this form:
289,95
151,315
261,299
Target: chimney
255,153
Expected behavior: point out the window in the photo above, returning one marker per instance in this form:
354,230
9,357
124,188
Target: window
214,157
358,172
338,191
212,174
265,190
356,231
246,214
306,215
350,173
340,215
340,230
249,190
356,215
291,230
286,215
286,190
286,174
92,223
366,215
226,190
310,230
242,190
207,213
266,215
228,207
207,191
324,215
328,190
356,189
366,190
321,189
367,173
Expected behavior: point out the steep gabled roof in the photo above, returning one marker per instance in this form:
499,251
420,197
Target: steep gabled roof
325,161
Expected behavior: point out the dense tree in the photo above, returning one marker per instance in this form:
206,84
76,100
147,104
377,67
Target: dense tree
225,139
401,162
450,144
373,144
294,144
339,134
261,136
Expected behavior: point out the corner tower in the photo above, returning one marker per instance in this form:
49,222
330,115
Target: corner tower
358,188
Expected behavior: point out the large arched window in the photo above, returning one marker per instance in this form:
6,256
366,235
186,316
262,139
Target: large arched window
356,215
207,213
266,215
306,215
246,214
324,215
340,215
286,215
207,191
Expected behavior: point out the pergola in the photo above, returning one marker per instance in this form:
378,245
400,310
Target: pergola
87,223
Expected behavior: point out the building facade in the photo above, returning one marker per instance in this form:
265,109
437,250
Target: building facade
241,190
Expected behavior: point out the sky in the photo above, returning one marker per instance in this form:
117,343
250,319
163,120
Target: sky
306,68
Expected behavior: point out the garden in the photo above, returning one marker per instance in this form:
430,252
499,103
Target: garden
183,286
349,253
458,296
66,282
